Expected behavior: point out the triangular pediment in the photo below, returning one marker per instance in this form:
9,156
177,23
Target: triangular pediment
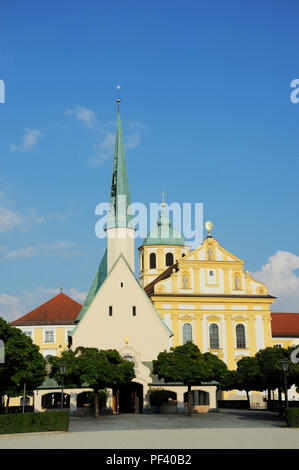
213,318
201,252
240,318
186,317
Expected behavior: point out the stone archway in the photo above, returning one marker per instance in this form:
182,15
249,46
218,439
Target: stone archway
52,400
128,398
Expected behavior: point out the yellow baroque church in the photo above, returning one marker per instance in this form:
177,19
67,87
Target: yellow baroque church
203,295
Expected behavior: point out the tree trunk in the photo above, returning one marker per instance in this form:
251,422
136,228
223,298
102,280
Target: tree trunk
248,399
96,404
7,405
189,401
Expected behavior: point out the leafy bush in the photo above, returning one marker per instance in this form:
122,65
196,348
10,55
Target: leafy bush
292,417
34,422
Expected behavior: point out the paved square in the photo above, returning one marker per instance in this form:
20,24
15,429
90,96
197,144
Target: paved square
227,429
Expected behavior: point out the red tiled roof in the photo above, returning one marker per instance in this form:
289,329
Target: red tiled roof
60,310
285,324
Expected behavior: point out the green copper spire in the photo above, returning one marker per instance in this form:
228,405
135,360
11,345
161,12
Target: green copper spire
119,194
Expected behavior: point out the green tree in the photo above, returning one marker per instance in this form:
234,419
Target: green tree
218,368
24,364
184,364
230,380
98,368
269,359
249,376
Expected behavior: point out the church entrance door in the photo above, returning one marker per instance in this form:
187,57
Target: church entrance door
128,398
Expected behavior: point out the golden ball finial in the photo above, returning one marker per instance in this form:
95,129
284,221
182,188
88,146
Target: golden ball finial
209,226
118,100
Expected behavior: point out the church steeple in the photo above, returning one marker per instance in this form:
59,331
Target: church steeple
119,194
120,232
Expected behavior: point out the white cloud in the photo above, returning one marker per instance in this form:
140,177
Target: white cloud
85,115
31,138
9,306
108,142
22,253
133,140
66,250
279,275
137,125
104,149
76,295
10,220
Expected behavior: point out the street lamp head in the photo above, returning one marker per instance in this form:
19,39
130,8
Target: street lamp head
284,365
62,368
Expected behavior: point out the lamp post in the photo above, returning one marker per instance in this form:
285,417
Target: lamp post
62,369
284,364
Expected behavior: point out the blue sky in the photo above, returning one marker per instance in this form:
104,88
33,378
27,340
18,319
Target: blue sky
207,117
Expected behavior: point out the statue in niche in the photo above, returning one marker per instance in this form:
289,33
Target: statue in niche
210,253
237,282
185,281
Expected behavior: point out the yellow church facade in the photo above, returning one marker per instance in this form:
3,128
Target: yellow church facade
206,296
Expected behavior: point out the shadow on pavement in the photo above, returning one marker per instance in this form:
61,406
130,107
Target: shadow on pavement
222,419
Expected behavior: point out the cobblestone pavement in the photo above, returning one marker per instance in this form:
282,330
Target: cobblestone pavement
227,429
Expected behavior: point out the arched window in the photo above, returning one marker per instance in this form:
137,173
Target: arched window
240,335
152,260
169,259
211,273
187,333
214,336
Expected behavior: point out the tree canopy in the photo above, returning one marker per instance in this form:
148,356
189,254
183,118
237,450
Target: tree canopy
97,369
188,365
23,363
